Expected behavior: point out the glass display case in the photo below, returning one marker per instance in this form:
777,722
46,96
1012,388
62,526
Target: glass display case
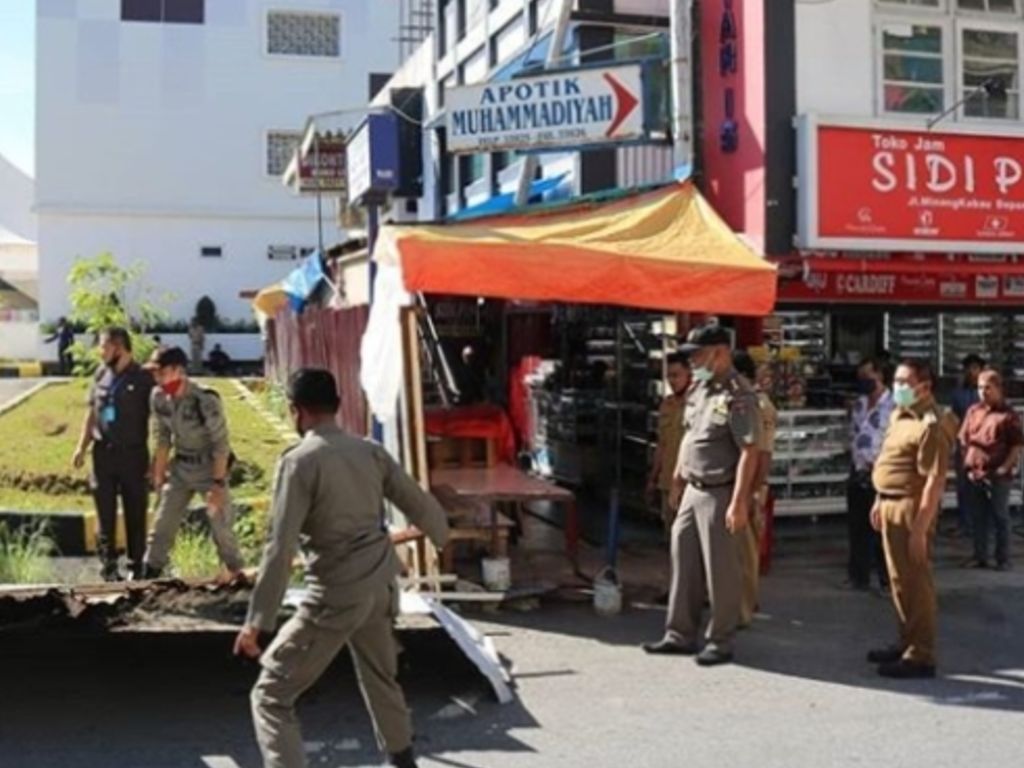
811,462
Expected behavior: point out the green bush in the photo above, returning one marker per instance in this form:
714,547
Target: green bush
25,555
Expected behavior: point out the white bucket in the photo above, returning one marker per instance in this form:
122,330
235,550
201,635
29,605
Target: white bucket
497,573
607,593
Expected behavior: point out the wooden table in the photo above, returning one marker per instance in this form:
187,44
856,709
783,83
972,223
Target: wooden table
503,483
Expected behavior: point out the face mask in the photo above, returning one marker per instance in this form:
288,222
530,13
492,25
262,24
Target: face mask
172,388
903,395
703,374
865,386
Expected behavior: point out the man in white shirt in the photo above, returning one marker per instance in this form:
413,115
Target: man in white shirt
870,418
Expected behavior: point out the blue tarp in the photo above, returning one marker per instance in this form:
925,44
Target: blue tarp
302,281
506,202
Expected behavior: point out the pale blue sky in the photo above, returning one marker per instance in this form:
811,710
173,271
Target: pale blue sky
18,82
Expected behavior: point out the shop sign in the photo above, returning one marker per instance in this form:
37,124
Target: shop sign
878,186
872,283
372,157
322,169
556,110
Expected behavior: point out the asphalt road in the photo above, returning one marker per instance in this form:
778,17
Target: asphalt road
11,388
799,695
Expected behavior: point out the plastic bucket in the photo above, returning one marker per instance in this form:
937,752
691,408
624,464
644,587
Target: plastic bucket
607,593
497,573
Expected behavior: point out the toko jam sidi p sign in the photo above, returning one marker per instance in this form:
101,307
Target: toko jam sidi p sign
893,187
553,111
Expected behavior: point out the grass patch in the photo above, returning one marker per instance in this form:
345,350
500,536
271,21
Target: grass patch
194,555
25,555
35,466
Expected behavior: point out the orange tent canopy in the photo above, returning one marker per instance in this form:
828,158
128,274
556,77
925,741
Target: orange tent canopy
665,249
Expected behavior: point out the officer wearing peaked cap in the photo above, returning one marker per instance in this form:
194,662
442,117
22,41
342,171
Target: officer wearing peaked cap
190,422
718,463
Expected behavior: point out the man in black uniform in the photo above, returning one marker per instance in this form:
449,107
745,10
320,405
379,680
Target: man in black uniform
117,428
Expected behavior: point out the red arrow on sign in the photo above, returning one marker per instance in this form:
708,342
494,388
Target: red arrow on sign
626,103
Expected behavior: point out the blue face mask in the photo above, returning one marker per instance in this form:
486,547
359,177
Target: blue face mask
903,395
702,373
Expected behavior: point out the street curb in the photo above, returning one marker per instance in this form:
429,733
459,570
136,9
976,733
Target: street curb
10,405
21,371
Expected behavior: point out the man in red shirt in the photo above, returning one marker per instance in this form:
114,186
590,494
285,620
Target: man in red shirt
991,442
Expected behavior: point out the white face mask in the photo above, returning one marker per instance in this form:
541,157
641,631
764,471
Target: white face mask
703,373
903,395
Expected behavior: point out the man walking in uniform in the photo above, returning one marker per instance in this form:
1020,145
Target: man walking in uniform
330,491
718,461
670,436
117,428
190,420
910,476
749,539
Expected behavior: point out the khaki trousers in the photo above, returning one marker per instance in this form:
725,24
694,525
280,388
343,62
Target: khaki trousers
182,485
301,653
668,512
701,545
913,590
748,548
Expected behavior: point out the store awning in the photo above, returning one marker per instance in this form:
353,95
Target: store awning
665,249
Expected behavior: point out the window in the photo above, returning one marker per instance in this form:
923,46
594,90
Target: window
913,3
990,72
281,146
989,6
304,34
913,68
282,252
211,251
170,11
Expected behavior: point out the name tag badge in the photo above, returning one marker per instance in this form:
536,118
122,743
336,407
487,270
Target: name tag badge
108,414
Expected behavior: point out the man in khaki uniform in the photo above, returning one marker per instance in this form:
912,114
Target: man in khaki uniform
910,477
748,540
329,494
190,421
718,461
670,436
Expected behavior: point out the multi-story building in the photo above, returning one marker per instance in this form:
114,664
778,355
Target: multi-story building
163,128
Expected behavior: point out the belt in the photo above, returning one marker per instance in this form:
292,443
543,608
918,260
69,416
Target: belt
893,496
190,458
700,485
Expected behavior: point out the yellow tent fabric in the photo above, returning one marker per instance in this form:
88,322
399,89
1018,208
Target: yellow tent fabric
664,250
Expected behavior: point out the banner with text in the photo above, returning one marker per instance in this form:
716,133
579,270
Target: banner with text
558,110
883,187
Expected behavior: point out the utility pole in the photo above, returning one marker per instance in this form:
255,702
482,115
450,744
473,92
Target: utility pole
680,21
529,167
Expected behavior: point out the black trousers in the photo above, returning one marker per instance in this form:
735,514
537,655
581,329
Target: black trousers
865,542
120,472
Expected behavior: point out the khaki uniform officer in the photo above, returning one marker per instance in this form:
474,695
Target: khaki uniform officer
190,420
909,477
718,461
748,540
670,437
329,494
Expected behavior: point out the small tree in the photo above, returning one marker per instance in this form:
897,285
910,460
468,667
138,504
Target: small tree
103,293
206,314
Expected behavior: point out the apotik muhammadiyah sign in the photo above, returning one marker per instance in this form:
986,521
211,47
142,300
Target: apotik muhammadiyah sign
884,187
555,110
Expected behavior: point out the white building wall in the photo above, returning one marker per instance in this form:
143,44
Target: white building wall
151,139
835,67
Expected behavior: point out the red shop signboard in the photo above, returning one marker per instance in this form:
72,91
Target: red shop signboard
873,186
895,281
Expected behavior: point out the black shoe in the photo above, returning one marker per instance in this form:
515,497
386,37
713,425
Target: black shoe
887,655
662,599
404,759
907,670
111,573
666,647
149,572
1004,566
975,564
857,586
712,657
